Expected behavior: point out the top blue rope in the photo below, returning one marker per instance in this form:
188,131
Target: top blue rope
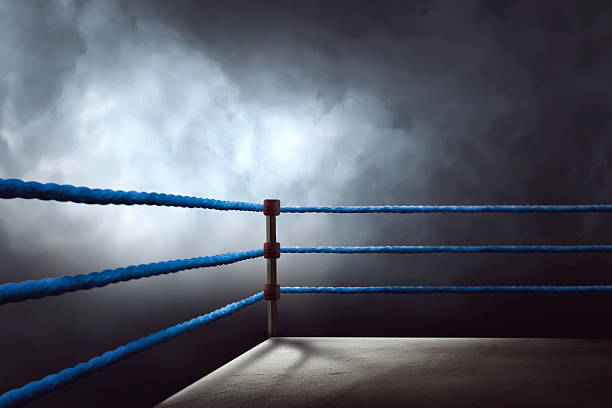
14,188
450,209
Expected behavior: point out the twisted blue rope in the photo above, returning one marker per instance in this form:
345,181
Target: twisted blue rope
449,209
443,289
14,188
16,292
53,382
455,249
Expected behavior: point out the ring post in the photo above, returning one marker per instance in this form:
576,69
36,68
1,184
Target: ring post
271,209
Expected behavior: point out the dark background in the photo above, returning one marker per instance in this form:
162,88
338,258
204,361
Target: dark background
314,103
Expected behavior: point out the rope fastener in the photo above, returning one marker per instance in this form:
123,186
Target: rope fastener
271,292
272,250
271,207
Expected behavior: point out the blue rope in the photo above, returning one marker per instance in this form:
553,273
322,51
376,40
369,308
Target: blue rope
53,382
443,289
16,292
450,209
455,249
14,188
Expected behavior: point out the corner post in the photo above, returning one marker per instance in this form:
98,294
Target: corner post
271,209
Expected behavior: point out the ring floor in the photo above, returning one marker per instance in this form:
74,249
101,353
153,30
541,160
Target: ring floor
409,372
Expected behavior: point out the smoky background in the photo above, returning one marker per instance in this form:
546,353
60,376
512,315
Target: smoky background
313,103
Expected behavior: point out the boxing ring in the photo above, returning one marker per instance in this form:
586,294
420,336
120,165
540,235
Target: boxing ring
389,367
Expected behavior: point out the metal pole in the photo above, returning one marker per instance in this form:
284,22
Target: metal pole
272,304
271,253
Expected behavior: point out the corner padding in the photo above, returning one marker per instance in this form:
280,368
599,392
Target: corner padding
271,207
271,250
271,291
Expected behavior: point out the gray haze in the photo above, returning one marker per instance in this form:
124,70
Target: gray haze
314,103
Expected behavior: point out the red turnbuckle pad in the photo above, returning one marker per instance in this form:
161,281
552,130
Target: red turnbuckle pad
271,291
271,207
271,250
